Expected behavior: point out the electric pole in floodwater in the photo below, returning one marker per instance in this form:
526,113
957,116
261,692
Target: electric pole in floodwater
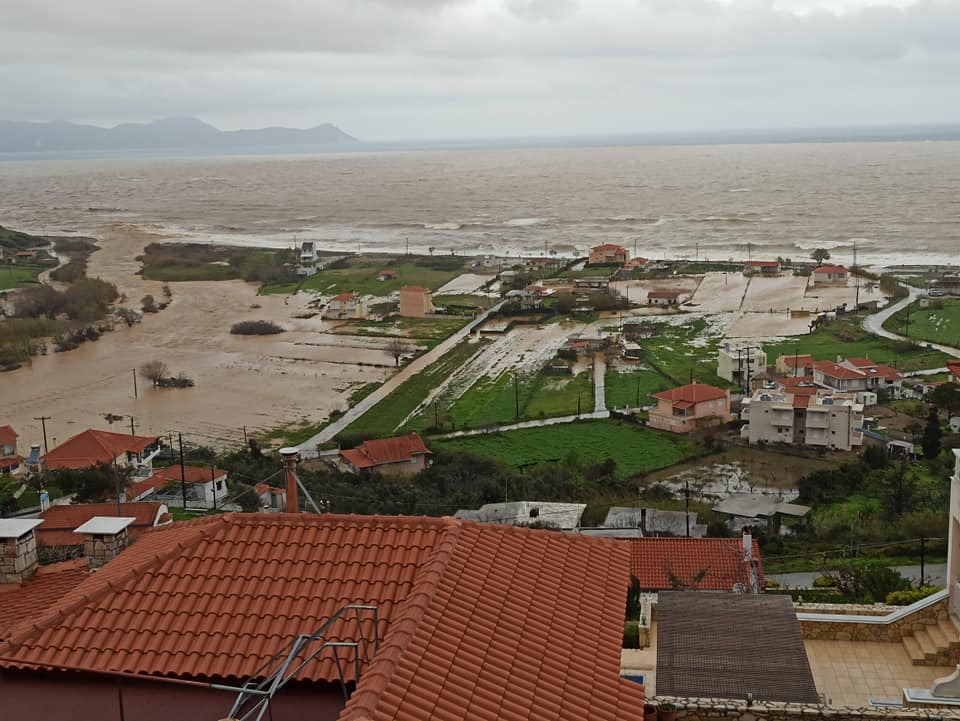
134,371
43,424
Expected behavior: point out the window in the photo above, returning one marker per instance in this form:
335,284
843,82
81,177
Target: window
219,485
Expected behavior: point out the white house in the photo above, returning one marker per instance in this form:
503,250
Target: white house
740,364
826,274
345,306
206,487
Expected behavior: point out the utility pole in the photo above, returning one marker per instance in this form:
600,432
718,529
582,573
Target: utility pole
116,480
578,404
43,424
686,503
796,361
857,303
922,559
245,442
134,371
516,395
183,473
638,390
132,431
213,484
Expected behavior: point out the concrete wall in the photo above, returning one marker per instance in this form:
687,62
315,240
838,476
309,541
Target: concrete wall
705,709
851,630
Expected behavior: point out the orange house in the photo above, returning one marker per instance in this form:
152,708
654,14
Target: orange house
416,302
607,254
690,407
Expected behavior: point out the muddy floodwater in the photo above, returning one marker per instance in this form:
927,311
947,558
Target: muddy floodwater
260,382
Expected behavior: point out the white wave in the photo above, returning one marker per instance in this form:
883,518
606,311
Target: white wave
739,190
442,226
525,221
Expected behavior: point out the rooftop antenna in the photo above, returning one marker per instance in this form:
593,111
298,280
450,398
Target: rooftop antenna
857,271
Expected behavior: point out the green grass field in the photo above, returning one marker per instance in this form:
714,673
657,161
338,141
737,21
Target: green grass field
635,449
361,277
937,324
685,352
845,337
622,389
385,417
13,276
435,328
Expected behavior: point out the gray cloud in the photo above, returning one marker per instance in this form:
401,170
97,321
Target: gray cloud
420,68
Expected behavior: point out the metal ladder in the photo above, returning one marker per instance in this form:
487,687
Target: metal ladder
254,697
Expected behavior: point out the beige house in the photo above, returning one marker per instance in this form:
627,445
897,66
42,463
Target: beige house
794,366
690,407
345,306
416,302
803,417
663,297
953,544
398,456
742,363
608,254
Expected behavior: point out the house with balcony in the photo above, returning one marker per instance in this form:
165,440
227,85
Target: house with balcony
690,407
794,366
803,416
94,447
608,254
203,486
10,461
741,363
880,377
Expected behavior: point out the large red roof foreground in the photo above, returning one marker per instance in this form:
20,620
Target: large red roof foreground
59,521
479,621
674,563
92,447
47,587
691,393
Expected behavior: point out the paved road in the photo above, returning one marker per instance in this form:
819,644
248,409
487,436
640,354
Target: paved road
308,449
599,390
539,423
874,323
935,572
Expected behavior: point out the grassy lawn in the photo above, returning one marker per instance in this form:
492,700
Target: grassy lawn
385,417
463,301
174,262
13,276
685,352
937,324
635,449
844,337
435,328
623,388
361,276
31,498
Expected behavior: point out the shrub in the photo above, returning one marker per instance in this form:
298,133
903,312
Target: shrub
631,635
905,598
255,327
824,582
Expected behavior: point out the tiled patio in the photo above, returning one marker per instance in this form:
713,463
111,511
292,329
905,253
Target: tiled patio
642,662
850,673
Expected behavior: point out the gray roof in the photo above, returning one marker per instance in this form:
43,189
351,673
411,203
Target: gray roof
758,505
657,522
723,645
562,515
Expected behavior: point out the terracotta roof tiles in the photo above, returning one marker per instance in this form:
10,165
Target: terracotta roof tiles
8,436
691,393
658,563
478,622
835,370
59,521
385,450
92,447
19,603
830,269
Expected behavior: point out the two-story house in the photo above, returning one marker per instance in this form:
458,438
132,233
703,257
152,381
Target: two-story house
92,447
608,254
690,407
345,306
10,461
879,377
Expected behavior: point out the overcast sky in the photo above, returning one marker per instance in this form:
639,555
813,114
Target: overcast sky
433,69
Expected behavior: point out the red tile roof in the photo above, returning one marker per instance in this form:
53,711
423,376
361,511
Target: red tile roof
59,521
385,450
835,370
692,393
609,246
164,477
663,563
830,269
663,294
414,289
954,367
92,447
481,622
8,436
20,602
344,297
388,273
795,382
802,400
801,361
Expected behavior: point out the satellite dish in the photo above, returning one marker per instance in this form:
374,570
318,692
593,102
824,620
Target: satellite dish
955,424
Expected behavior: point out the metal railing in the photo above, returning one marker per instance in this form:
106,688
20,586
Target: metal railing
254,697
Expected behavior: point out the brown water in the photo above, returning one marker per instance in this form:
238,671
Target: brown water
900,201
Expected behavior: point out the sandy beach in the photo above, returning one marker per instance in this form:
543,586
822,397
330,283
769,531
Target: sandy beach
258,382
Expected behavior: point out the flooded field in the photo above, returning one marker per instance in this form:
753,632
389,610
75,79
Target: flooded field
259,382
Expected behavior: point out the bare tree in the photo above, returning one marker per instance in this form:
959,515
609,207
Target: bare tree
154,371
398,347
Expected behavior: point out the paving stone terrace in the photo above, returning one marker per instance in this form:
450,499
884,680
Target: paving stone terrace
702,709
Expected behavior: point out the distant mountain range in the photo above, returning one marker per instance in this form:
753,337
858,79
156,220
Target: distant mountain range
167,134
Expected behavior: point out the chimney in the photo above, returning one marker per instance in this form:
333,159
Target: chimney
747,546
18,560
106,536
289,456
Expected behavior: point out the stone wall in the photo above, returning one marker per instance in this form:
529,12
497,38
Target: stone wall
18,558
102,548
855,609
706,709
853,630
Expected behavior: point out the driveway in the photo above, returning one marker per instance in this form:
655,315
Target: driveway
874,323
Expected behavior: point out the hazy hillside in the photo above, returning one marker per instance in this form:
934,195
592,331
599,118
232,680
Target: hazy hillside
170,133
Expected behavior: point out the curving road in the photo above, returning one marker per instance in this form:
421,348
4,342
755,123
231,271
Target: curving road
874,323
